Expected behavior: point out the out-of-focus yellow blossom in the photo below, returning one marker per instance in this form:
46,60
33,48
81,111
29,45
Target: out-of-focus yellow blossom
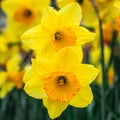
95,57
61,81
12,76
117,24
99,79
56,31
3,43
107,9
117,3
11,51
107,30
5,87
110,76
22,15
5,51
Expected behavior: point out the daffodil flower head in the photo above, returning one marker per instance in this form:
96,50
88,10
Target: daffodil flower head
12,76
61,81
22,15
58,29
5,87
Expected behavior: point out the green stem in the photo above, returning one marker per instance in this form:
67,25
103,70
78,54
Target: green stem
104,82
112,45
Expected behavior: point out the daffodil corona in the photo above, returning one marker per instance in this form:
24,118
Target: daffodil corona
61,81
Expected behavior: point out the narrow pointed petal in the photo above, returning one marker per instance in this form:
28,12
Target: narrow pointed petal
72,12
55,108
35,38
50,20
85,73
34,87
83,35
83,98
46,52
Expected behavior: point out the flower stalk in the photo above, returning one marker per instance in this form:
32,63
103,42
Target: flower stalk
104,82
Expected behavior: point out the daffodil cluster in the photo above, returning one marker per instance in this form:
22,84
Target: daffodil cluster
57,75
16,16
44,48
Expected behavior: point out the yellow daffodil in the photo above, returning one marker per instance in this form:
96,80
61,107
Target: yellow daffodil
61,81
5,87
22,15
12,76
107,9
57,31
13,71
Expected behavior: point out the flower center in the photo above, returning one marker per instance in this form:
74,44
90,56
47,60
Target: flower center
24,15
61,86
27,13
80,1
63,38
58,36
62,80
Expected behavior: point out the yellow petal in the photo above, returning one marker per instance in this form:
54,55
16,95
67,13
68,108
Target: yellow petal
55,108
34,87
66,57
50,20
117,3
9,6
46,52
88,19
13,63
28,74
83,35
72,12
3,78
37,4
6,88
82,98
42,67
62,3
85,73
35,37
